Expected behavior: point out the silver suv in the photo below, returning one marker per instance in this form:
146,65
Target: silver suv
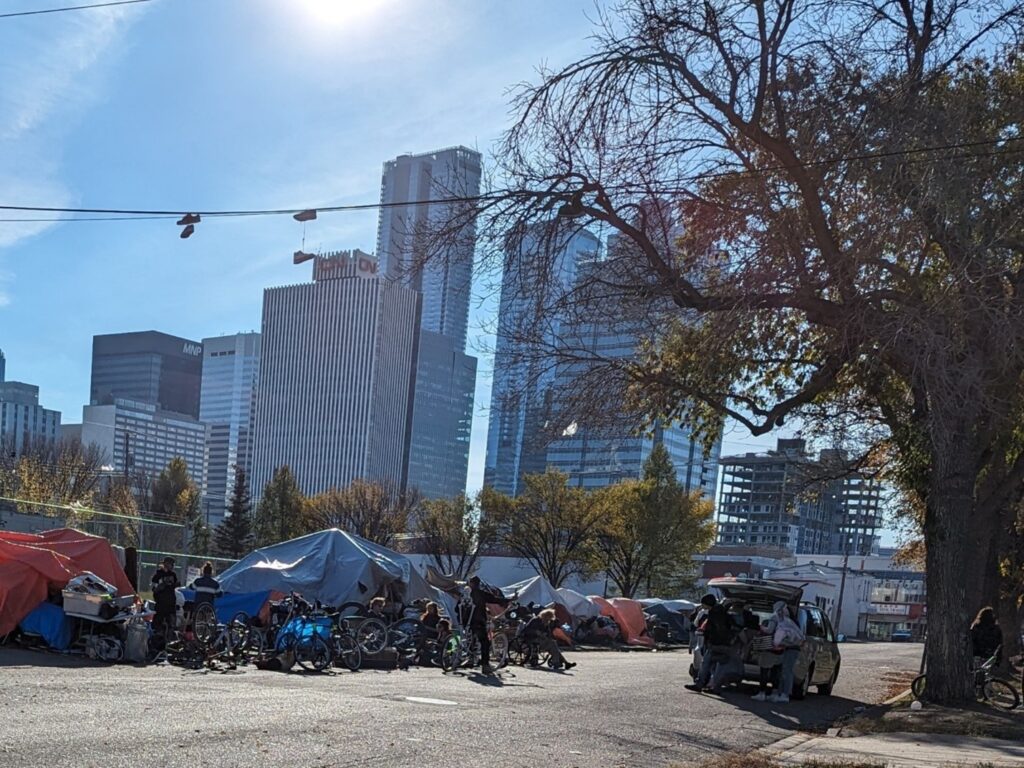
819,660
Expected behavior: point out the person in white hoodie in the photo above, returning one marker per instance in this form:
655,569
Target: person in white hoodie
789,638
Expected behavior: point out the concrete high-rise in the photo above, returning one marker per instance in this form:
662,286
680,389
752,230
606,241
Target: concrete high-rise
334,398
140,439
522,389
147,366
231,366
421,194
23,421
3,366
787,498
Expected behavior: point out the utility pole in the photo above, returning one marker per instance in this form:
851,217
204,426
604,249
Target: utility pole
842,582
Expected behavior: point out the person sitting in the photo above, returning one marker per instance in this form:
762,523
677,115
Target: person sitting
376,609
539,635
986,636
431,616
206,587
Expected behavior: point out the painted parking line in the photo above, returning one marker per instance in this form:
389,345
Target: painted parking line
439,702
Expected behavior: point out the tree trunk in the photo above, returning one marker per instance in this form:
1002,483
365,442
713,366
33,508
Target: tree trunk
954,571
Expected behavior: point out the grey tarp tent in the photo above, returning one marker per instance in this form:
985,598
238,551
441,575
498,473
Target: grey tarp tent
331,566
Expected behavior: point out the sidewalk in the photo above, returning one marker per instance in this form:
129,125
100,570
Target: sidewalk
898,750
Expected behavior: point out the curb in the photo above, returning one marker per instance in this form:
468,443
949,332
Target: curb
785,745
898,698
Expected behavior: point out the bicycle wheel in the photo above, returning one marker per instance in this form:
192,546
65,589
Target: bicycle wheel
518,652
404,635
255,645
347,652
499,650
1000,693
238,630
451,656
917,687
204,623
313,654
372,636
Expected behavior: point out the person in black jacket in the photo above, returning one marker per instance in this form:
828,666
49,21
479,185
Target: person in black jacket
986,635
480,597
164,583
718,635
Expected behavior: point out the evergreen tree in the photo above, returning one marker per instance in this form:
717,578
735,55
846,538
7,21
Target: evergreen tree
281,514
234,536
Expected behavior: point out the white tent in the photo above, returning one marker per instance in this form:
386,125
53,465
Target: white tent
537,590
579,606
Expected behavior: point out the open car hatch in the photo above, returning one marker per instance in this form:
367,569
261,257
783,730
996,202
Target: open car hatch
756,590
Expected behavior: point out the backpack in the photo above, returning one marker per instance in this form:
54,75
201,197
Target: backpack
717,629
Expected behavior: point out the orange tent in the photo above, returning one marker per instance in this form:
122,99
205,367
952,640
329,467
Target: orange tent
33,564
629,615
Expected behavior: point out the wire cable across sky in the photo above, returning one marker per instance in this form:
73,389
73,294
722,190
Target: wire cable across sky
14,14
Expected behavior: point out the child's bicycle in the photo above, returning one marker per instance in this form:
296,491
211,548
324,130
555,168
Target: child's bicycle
987,686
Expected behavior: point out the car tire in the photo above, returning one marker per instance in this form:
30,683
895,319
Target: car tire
801,687
826,689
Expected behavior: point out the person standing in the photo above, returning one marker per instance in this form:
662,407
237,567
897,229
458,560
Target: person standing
986,635
769,661
206,587
480,597
164,584
718,635
789,637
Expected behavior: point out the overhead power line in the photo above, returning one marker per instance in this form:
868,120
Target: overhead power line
71,8
128,214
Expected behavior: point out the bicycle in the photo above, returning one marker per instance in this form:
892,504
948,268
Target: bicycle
987,686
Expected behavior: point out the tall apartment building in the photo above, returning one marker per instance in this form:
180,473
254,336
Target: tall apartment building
23,421
147,366
231,367
522,391
441,272
790,499
334,398
3,366
140,439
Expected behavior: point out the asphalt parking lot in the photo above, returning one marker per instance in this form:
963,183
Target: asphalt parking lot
614,709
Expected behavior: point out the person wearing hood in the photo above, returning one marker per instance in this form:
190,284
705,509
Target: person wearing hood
787,637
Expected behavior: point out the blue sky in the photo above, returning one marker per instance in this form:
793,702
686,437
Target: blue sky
229,104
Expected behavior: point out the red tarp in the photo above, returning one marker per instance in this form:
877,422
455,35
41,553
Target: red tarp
629,615
33,564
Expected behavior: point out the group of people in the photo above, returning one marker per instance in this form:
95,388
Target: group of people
730,631
165,584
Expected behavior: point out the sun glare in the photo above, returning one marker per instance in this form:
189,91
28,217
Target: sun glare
340,13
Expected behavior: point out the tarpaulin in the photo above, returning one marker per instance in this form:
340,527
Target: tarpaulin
629,615
32,565
227,605
49,622
332,566
579,606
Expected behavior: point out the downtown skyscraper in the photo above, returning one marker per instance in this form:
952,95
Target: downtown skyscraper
556,399
419,194
231,366
334,398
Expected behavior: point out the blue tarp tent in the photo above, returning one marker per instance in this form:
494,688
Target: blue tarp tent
49,622
331,566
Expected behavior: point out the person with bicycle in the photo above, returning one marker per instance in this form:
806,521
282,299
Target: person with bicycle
539,635
480,596
206,587
986,636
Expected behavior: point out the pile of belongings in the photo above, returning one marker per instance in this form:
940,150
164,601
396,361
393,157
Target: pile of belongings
90,596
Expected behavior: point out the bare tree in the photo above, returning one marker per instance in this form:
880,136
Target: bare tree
815,204
376,511
454,533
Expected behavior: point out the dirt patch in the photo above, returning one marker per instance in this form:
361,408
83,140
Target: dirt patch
896,683
973,720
